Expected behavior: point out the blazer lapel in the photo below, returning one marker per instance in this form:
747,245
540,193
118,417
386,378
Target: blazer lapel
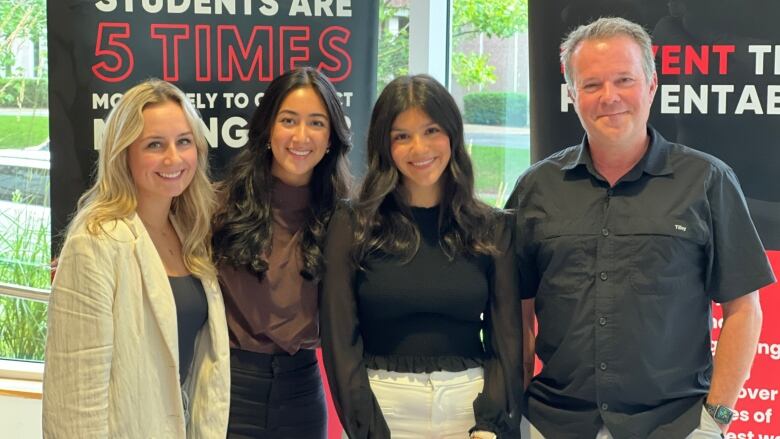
157,288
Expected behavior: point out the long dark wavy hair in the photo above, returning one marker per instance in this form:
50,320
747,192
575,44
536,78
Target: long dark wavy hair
242,226
383,217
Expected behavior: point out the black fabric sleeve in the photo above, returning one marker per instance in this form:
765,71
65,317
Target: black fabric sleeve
342,344
737,262
497,408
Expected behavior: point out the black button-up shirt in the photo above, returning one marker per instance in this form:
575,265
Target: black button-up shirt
622,279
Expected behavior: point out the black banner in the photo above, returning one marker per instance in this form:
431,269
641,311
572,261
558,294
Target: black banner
222,53
718,64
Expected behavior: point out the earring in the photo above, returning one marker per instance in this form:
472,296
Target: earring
268,145
327,150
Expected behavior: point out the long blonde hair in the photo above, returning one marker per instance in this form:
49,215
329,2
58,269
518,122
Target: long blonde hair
113,196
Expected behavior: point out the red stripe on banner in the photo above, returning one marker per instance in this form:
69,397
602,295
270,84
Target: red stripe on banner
759,400
334,426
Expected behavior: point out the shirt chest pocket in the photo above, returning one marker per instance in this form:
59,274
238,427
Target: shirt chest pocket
565,256
661,255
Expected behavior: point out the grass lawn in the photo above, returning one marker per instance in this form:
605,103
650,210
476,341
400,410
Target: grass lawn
18,132
496,170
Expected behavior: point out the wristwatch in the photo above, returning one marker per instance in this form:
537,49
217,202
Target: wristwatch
720,413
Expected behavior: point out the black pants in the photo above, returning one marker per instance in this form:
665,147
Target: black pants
276,396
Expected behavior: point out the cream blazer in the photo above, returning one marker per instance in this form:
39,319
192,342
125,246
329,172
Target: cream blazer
112,355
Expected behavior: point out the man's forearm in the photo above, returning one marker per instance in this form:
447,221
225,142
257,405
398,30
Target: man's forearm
736,348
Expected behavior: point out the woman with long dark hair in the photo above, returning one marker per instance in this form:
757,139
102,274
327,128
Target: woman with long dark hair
420,309
279,195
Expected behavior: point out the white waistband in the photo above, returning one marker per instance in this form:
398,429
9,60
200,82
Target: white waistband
437,377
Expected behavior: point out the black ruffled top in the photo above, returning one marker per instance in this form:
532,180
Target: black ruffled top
430,314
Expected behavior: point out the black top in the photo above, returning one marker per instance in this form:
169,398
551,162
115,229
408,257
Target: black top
192,311
623,278
422,316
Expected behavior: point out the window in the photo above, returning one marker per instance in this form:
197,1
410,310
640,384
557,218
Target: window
393,53
25,233
487,75
489,80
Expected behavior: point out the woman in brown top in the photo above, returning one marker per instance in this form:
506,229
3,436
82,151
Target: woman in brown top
279,195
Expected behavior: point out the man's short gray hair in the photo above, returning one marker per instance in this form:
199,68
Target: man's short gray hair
607,27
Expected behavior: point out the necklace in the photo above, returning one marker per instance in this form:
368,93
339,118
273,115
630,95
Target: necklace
163,240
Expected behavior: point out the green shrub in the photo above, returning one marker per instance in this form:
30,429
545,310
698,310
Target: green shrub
489,108
22,329
24,260
24,92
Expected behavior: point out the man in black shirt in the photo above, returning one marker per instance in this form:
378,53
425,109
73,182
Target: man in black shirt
623,241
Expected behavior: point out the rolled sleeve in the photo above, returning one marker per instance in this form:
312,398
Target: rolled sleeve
737,262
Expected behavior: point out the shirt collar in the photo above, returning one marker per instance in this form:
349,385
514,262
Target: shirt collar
654,162
656,159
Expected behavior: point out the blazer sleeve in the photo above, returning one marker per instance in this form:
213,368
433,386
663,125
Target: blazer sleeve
497,408
79,344
342,344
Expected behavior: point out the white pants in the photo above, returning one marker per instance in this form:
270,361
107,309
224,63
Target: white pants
434,405
708,429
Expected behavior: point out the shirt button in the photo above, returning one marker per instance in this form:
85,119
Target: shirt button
603,366
602,321
604,406
610,191
605,232
603,275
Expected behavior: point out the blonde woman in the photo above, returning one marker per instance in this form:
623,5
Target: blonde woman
137,343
